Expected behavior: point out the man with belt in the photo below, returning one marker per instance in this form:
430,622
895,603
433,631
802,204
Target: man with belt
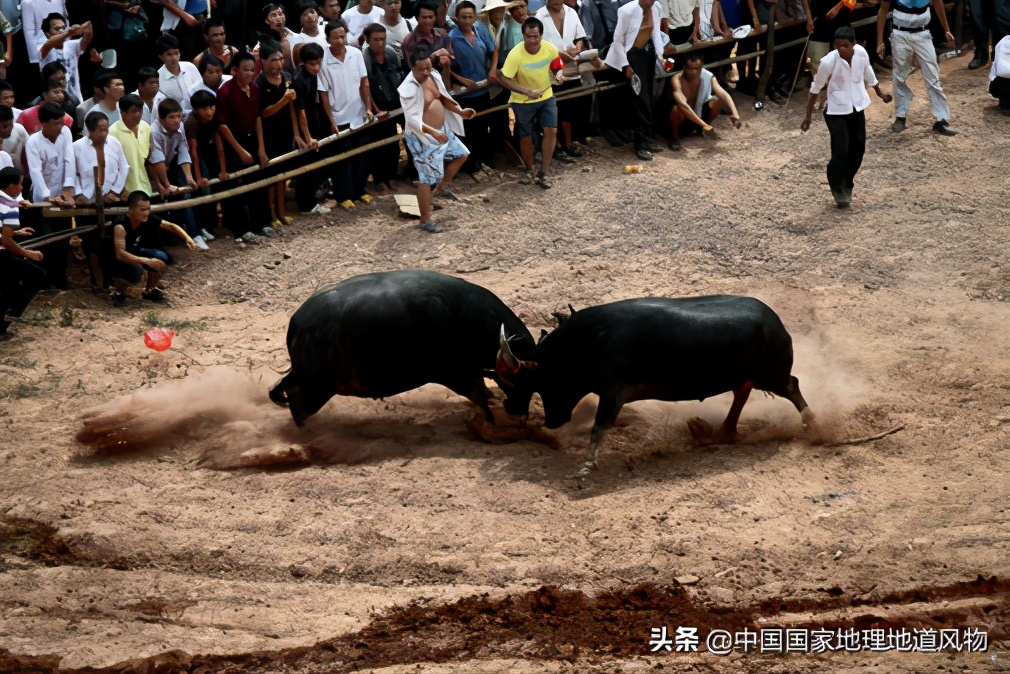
910,37
637,44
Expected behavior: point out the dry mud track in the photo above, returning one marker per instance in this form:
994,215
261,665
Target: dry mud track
553,629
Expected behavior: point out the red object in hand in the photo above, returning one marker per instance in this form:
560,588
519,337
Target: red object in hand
557,64
159,339
849,4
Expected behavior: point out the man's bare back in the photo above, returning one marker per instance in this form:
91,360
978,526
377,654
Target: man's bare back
434,111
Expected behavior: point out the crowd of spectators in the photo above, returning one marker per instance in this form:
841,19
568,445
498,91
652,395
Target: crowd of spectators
164,96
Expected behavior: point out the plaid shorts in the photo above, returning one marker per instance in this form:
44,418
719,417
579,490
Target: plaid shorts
430,157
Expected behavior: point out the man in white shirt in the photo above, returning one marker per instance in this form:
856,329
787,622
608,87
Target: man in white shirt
13,136
33,12
212,75
359,18
397,27
847,73
149,91
99,149
564,30
50,158
176,79
635,51
65,45
680,20
347,100
999,74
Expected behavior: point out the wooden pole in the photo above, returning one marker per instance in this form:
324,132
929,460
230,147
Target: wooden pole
769,61
100,205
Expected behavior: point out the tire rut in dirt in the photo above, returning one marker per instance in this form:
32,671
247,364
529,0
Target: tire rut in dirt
563,624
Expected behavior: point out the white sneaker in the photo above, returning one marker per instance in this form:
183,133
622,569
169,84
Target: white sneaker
266,231
318,208
248,237
207,236
200,243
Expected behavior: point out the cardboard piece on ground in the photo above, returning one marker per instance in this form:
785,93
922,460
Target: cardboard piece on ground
407,203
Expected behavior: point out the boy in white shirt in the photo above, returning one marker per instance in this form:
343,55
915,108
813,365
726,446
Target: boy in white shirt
847,73
65,45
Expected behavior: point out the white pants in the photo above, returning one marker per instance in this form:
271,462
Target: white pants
920,45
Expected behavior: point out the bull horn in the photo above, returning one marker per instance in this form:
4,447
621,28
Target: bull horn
504,352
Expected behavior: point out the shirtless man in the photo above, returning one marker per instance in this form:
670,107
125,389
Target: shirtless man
213,32
432,121
698,100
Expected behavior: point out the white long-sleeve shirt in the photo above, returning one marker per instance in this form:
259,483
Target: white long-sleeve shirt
169,20
52,166
1000,60
629,21
412,101
116,167
846,83
15,144
181,86
33,13
571,28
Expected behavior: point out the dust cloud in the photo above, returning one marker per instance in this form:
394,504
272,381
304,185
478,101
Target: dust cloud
227,418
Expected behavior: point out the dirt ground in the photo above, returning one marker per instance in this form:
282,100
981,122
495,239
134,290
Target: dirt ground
208,534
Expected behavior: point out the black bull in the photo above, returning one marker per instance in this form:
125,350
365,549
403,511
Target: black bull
377,335
654,349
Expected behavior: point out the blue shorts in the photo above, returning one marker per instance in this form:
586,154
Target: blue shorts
430,157
546,112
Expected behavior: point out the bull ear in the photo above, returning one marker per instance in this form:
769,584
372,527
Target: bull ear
505,353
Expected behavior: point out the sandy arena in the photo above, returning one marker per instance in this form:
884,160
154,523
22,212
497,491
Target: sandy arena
211,535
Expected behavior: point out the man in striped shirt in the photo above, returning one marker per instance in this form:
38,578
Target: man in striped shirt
20,279
910,38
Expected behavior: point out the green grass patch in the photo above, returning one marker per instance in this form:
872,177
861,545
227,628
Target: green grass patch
21,391
38,317
153,319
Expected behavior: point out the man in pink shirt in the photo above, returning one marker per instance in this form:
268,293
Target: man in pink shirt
52,92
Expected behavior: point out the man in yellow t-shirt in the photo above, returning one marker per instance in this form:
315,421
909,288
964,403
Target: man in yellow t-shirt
134,134
527,74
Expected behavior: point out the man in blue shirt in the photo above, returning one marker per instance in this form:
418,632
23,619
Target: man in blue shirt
473,48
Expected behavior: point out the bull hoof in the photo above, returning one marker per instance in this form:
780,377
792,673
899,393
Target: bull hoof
703,433
587,468
279,396
808,417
